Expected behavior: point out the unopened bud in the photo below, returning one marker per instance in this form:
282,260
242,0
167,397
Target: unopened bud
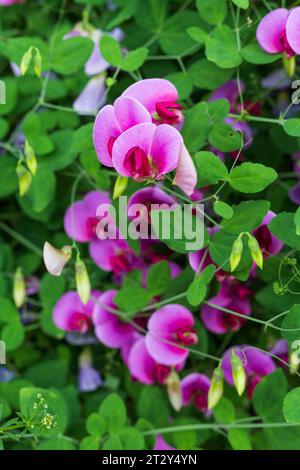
216,388
174,390
55,259
255,251
19,288
236,253
24,179
83,285
30,158
294,361
120,186
238,373
37,63
289,64
25,62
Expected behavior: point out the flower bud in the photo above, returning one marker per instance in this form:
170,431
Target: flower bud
19,288
24,178
120,186
55,259
236,253
255,251
25,62
174,390
294,362
30,158
289,65
238,373
83,285
37,63
215,391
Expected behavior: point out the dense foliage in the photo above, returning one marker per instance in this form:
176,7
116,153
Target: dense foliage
130,344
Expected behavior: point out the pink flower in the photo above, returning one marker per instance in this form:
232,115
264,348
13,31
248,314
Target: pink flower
144,368
269,244
256,363
168,327
113,255
159,97
160,444
7,3
233,296
194,390
70,314
278,32
109,327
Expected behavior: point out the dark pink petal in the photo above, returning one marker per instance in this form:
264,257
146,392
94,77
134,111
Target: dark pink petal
293,28
106,127
102,251
141,364
166,148
191,384
271,31
65,308
151,91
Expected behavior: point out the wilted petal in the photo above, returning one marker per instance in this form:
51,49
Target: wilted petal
55,259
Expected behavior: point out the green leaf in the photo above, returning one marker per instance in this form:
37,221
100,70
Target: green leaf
198,34
239,439
113,443
292,322
13,335
56,443
220,248
158,277
8,312
223,137
291,408
292,127
253,54
71,54
111,50
49,373
221,48
210,168
131,438
196,127
297,221
113,410
251,177
134,59
223,209
213,12
90,443
269,394
153,406
198,288
241,3
42,189
132,296
8,176
283,227
174,39
151,15
246,216
96,425
208,76
183,83
224,411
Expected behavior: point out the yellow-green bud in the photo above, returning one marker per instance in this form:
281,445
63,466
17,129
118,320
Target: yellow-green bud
216,388
120,186
30,158
83,285
255,251
174,390
236,253
289,64
24,179
25,62
37,63
238,373
19,288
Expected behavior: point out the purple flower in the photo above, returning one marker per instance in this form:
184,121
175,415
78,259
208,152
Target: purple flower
278,32
92,97
269,244
144,368
160,444
256,363
168,327
70,314
110,329
88,378
233,296
194,390
281,350
6,375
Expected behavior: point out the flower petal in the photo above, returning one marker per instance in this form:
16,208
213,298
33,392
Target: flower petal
130,112
271,30
105,127
165,149
293,28
186,174
91,98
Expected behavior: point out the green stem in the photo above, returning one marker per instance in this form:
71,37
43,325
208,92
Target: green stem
17,236
249,117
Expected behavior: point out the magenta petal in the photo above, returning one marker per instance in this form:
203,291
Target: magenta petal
130,112
64,309
271,31
191,384
140,136
152,91
140,363
186,174
105,127
101,251
165,149
293,28
91,98
212,320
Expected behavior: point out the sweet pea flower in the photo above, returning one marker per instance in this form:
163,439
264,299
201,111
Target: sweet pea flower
8,3
194,390
70,314
256,363
281,350
92,97
55,259
89,378
232,296
161,444
159,96
170,327
110,329
144,368
278,32
6,375
269,244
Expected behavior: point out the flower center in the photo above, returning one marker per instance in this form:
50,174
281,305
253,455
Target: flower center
168,112
186,336
110,145
200,400
79,322
120,262
285,45
263,237
161,373
91,225
139,164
